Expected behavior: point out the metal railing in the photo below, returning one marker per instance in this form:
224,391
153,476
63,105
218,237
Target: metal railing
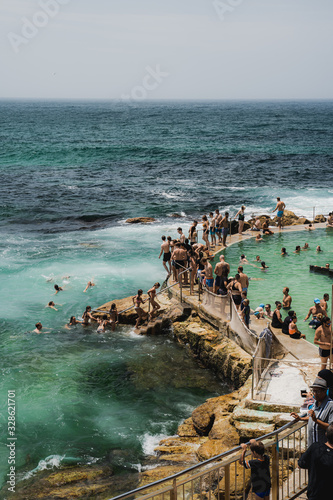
223,478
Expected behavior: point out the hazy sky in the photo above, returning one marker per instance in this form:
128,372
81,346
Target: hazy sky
166,49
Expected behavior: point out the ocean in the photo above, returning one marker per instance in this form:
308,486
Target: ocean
71,173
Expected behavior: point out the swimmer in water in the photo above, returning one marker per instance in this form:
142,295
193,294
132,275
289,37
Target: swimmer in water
258,259
113,317
297,249
87,317
39,327
243,259
306,246
284,251
258,237
102,322
90,285
73,322
57,289
51,305
318,249
263,266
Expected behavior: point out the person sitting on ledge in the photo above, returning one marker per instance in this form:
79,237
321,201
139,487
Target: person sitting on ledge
286,322
294,331
265,228
256,225
310,227
314,311
277,319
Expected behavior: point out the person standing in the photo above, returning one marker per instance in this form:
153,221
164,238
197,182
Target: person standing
320,416
259,466
280,206
287,300
323,338
225,228
152,299
244,279
318,459
165,250
241,218
212,229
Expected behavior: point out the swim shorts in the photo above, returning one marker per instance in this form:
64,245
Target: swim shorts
263,495
218,281
212,231
237,299
179,264
225,231
280,213
166,257
209,282
324,353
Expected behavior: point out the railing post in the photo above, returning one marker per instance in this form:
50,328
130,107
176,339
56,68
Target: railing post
252,390
227,482
173,492
275,470
181,290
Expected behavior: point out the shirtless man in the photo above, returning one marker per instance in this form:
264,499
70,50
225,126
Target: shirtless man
208,270
212,229
280,206
218,219
314,311
323,339
152,299
181,235
222,270
324,301
243,278
180,257
286,301
38,328
225,228
165,250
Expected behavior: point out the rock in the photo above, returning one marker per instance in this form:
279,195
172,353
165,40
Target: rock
187,429
223,430
72,482
211,448
303,220
249,430
176,216
140,220
319,218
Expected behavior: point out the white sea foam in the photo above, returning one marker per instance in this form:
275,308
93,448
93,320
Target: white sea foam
150,441
51,462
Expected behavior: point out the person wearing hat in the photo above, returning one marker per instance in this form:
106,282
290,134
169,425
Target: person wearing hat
320,416
314,311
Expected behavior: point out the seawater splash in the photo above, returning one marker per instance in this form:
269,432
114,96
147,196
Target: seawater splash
51,462
150,441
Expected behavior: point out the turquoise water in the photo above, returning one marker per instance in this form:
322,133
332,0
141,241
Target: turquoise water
81,395
291,271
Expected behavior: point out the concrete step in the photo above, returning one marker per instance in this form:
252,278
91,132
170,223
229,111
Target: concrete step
248,415
270,407
252,430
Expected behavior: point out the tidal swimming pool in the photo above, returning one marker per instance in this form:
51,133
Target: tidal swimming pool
291,271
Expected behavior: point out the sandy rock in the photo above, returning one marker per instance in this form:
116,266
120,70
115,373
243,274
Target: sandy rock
224,431
140,220
249,430
211,448
303,220
187,429
319,218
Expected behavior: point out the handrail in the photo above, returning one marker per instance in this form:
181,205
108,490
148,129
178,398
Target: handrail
209,461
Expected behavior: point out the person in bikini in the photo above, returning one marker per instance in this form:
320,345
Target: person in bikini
205,229
235,288
280,206
218,219
114,318
241,218
152,299
87,316
193,233
212,229
165,250
138,302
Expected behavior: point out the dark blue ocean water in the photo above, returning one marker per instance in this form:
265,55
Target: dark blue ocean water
71,173
68,166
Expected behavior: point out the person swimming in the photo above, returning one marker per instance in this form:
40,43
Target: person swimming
284,251
263,266
90,285
57,289
73,322
51,305
297,249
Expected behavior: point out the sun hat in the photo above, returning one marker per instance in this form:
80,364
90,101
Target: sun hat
320,383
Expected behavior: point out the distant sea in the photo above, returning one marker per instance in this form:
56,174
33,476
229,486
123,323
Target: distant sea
71,173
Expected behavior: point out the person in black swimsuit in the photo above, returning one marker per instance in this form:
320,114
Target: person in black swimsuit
277,321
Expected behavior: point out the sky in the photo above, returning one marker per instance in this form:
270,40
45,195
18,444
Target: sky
166,49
